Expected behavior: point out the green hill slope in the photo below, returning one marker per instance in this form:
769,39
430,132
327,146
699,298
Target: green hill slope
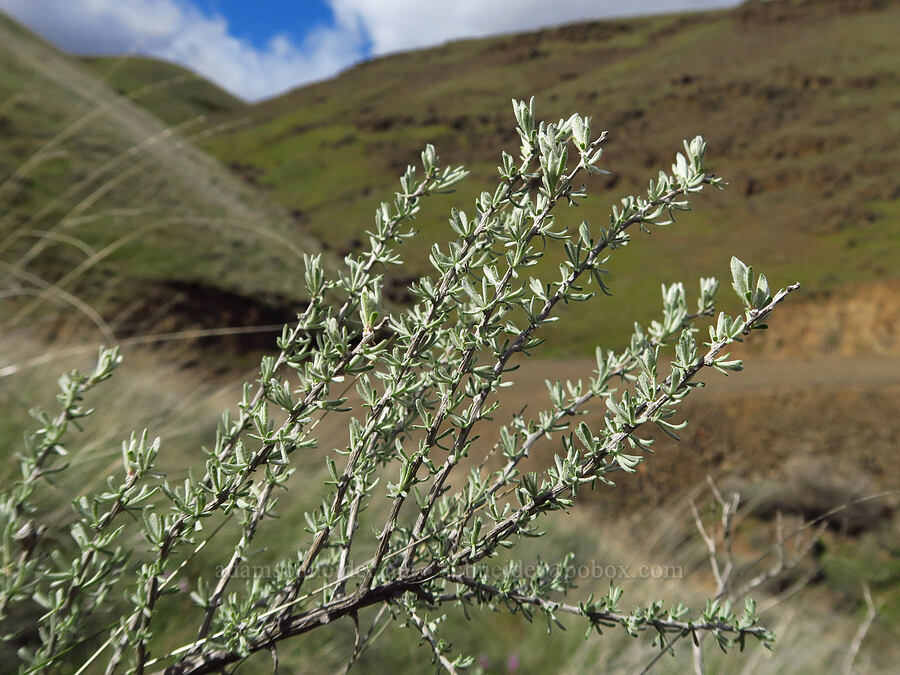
171,92
108,213
797,99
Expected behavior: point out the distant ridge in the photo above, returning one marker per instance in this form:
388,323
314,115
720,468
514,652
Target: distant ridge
174,93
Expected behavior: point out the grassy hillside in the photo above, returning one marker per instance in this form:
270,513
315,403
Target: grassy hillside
171,92
797,99
109,214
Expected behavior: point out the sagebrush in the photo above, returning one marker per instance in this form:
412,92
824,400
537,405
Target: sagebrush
423,379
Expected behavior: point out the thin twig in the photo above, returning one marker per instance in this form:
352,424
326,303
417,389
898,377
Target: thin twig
429,637
862,631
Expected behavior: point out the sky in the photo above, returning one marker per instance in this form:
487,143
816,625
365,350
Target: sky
260,48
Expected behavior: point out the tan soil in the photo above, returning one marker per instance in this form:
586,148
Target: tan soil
864,320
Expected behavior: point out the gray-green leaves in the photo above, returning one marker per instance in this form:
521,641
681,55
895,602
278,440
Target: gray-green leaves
755,297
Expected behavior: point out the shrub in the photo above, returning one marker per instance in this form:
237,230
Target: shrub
426,378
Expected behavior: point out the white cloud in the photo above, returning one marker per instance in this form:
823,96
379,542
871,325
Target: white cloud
395,25
177,31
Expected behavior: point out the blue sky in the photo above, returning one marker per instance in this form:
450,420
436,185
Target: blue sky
260,48
256,21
